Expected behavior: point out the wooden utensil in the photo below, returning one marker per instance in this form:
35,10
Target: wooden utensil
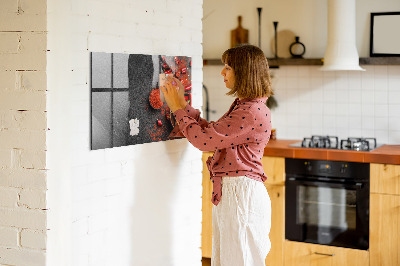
239,35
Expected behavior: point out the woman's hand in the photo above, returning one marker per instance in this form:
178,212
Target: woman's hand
174,91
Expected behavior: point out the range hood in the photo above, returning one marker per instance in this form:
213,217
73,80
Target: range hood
341,51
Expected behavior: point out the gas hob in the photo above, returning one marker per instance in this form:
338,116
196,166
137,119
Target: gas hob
332,142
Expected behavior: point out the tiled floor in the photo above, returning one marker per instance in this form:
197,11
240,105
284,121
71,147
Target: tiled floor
206,261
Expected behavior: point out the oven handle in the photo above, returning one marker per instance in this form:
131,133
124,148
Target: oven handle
357,185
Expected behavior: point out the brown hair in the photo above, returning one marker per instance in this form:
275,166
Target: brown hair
250,66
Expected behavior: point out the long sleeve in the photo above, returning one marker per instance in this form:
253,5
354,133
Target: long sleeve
193,113
231,130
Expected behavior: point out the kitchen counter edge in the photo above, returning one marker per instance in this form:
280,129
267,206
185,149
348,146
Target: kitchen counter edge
385,154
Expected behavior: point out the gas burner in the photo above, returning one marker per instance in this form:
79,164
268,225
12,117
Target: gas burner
327,142
358,144
332,142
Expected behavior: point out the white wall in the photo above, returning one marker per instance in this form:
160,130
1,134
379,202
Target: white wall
23,133
311,102
306,19
343,104
133,205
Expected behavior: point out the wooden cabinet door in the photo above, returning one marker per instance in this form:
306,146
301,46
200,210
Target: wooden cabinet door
385,178
304,254
274,168
206,226
277,233
384,236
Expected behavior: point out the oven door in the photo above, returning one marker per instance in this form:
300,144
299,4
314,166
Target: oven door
327,213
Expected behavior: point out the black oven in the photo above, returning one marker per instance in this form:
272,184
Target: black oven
327,202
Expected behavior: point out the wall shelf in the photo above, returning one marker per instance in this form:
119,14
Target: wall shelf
380,61
274,63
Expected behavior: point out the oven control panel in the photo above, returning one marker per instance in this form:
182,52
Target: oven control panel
337,169
325,167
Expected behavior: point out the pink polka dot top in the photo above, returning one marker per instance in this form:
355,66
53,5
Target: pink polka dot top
238,139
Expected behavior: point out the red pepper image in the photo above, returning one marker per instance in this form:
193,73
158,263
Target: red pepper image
188,98
188,87
154,99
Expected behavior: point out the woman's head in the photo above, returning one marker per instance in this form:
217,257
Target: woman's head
251,72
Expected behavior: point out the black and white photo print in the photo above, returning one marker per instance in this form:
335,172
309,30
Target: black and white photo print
126,108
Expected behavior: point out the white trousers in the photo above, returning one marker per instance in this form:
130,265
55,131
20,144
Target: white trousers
241,223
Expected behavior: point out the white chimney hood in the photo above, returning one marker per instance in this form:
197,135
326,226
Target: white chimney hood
341,51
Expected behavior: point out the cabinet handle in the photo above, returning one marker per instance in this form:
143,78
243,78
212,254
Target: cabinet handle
324,254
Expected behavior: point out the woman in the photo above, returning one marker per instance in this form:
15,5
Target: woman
242,211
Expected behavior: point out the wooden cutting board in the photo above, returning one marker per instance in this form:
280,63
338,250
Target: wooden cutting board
239,35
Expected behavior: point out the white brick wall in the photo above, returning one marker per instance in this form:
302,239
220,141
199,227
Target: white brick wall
11,256
8,197
134,205
22,132
34,239
9,237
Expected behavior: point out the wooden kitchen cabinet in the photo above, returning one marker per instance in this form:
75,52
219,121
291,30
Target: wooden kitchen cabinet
277,233
305,254
384,215
385,178
274,168
384,236
206,225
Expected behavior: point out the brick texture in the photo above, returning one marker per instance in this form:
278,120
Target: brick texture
17,256
48,42
23,126
8,197
23,178
9,237
23,218
33,199
33,239
126,189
